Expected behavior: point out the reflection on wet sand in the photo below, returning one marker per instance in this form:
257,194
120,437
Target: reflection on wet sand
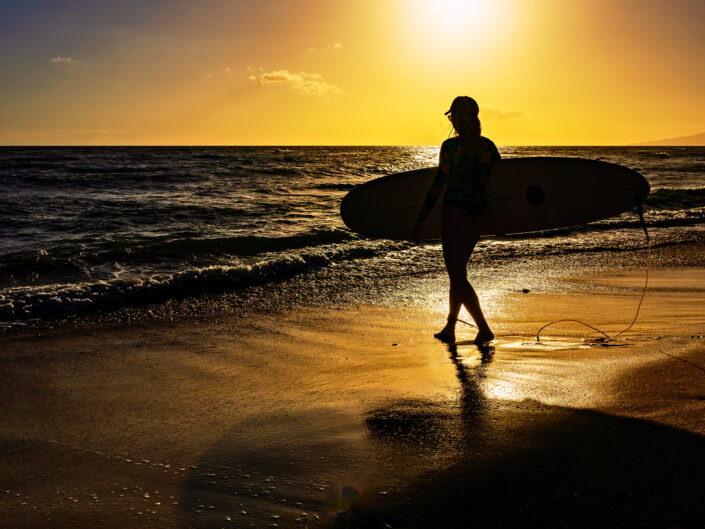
430,422
525,464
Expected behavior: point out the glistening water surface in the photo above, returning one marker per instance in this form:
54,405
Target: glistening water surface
90,228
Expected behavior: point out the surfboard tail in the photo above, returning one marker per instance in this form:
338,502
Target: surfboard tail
645,189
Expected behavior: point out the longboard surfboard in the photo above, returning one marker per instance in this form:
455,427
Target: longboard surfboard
523,195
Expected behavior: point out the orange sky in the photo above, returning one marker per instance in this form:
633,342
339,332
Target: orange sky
219,72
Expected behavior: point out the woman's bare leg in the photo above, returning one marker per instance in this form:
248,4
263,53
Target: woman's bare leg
459,240
472,303
455,298
463,293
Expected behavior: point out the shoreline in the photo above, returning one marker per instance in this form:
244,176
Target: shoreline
352,410
323,286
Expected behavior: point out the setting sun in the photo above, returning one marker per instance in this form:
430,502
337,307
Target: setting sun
453,34
456,20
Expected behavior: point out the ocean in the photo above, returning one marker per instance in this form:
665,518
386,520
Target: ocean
95,229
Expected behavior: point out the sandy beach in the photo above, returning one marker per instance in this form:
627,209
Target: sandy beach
357,417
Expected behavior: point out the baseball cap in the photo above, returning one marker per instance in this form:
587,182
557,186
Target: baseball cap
464,105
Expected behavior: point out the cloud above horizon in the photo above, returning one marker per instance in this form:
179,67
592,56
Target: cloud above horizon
68,62
310,84
500,113
335,46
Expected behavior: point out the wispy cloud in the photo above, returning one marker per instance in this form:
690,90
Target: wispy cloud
68,64
310,84
334,46
67,61
496,112
223,72
64,60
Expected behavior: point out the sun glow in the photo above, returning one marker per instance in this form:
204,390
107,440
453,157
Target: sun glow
455,16
365,72
450,31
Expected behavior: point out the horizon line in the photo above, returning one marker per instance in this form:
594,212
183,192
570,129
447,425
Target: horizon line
165,145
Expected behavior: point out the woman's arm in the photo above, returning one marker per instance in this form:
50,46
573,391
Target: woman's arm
444,167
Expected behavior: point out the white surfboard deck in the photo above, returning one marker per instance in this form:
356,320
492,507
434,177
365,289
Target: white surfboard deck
523,195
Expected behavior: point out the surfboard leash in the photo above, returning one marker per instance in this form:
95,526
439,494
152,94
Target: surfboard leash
601,341
609,338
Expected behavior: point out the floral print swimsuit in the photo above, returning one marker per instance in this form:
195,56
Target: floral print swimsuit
465,175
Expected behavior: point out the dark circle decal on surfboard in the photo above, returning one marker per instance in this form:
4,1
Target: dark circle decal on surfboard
535,196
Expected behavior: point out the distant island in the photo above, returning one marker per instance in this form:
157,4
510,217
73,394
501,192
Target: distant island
689,141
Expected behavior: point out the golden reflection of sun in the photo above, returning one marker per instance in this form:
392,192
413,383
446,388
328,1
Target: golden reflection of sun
502,390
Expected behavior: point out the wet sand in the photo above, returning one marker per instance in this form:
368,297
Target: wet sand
358,417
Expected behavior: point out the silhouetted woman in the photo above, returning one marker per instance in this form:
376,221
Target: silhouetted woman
464,166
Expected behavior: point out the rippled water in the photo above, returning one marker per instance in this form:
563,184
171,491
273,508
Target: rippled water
87,228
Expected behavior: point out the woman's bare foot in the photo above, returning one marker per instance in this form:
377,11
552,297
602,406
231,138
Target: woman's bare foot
446,334
483,337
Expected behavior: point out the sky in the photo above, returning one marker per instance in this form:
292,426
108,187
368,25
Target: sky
336,72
